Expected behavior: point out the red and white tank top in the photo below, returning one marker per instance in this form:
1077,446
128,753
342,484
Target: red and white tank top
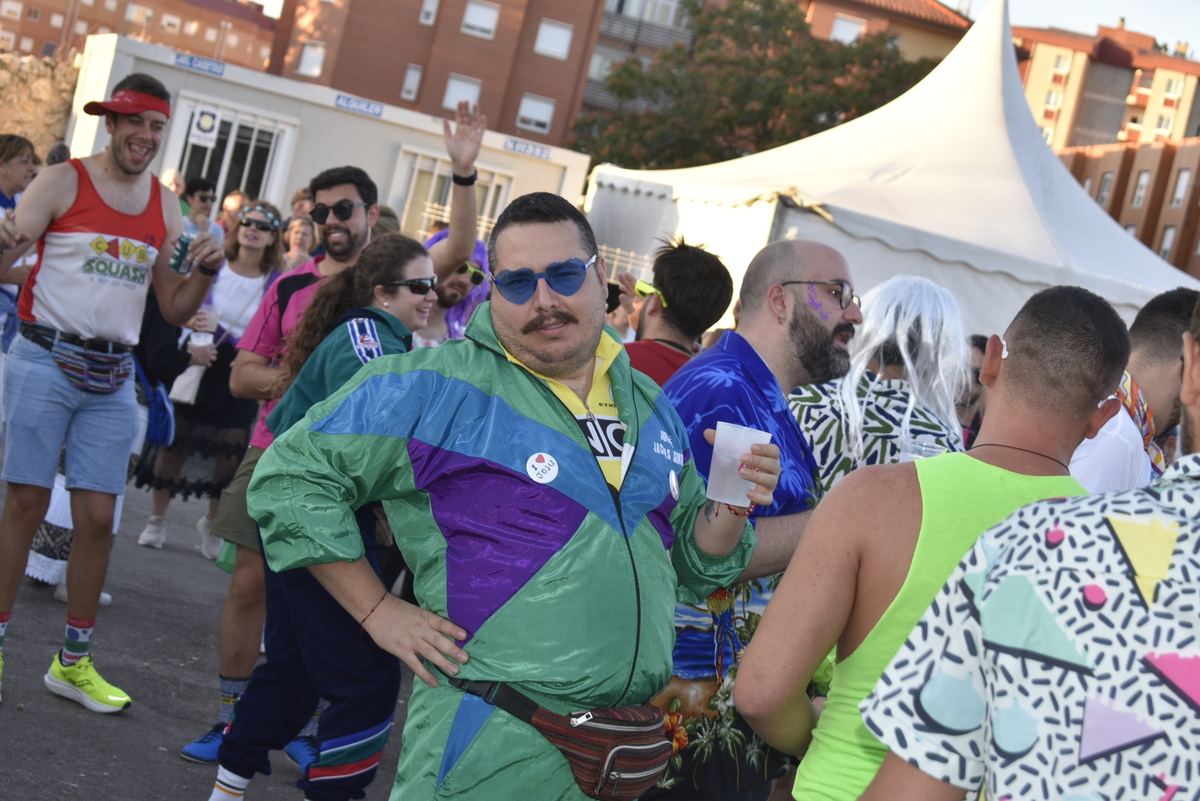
94,266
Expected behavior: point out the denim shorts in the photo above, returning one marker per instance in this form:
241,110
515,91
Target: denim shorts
43,409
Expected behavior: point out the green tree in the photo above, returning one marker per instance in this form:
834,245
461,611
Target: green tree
753,78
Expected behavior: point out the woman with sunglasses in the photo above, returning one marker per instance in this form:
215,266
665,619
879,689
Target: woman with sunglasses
212,431
458,296
359,315
200,194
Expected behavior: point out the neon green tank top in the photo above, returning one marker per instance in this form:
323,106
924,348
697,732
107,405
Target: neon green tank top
961,498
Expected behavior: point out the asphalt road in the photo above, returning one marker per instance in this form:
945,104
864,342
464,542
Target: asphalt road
158,642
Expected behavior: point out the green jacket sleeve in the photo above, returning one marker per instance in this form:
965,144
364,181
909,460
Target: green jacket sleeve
309,482
699,573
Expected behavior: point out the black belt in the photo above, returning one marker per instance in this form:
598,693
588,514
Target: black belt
45,336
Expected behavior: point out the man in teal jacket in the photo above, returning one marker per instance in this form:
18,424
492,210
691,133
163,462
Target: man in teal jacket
543,493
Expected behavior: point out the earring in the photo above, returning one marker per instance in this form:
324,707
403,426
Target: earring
385,303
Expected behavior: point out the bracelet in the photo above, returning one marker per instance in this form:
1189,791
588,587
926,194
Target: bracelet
373,608
468,181
204,270
749,510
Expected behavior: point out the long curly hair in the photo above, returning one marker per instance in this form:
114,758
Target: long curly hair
913,323
383,261
273,256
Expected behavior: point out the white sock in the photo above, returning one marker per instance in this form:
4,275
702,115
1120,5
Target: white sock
229,785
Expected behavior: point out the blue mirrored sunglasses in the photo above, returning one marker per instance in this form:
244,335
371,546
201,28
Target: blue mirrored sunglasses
563,277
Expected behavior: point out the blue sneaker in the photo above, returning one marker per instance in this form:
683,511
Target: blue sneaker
302,752
205,747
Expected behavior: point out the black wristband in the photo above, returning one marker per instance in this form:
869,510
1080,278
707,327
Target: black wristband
468,181
204,270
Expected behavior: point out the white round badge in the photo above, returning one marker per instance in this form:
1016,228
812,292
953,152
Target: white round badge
542,468
674,480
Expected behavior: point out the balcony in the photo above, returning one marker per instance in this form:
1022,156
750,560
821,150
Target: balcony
1131,132
1138,99
595,96
642,32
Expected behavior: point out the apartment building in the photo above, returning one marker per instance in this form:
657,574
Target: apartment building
1150,189
223,30
1115,86
523,61
922,28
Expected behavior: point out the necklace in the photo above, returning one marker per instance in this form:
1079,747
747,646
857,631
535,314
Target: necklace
1026,450
674,345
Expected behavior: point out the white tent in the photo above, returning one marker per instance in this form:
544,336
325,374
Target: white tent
951,181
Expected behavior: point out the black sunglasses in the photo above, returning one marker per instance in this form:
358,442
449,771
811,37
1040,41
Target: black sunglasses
205,198
342,210
246,222
417,286
476,273
844,293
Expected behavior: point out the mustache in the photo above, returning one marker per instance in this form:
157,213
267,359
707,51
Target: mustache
552,317
842,328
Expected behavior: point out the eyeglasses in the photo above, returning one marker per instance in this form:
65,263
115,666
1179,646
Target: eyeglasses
417,286
205,198
975,371
844,292
342,210
477,275
644,289
563,277
246,222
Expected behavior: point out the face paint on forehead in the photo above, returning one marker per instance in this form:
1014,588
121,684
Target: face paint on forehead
815,304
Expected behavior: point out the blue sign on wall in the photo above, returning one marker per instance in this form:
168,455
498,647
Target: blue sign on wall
200,64
527,148
359,105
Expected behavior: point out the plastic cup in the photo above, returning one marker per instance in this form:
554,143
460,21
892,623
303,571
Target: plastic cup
911,450
724,483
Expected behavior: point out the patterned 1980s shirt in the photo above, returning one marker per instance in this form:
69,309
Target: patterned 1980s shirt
1061,660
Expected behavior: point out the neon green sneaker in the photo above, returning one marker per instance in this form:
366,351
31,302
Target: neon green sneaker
80,682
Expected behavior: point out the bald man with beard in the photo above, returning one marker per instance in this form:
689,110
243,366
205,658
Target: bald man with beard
798,315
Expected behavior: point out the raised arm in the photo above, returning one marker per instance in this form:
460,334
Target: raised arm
49,196
463,141
718,530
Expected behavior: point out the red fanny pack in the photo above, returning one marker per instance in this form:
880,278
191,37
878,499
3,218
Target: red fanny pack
615,753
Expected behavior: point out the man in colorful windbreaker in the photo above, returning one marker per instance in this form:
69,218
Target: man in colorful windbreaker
542,492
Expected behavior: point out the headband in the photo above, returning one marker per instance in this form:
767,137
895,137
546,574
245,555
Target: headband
261,210
128,101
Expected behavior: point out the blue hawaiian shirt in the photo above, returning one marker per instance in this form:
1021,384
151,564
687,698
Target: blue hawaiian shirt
730,382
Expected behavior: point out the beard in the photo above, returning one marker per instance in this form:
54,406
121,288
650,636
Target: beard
817,348
1187,439
353,244
450,295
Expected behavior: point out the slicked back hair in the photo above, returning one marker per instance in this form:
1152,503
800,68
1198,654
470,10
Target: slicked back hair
541,207
1067,350
1157,330
696,285
336,176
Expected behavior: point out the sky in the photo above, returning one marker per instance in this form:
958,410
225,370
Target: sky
1167,21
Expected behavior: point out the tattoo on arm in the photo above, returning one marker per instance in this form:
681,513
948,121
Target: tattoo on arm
710,511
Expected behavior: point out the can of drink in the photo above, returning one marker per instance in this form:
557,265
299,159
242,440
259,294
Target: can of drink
201,338
179,262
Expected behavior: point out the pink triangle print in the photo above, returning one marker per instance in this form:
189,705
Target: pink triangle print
1107,730
1180,673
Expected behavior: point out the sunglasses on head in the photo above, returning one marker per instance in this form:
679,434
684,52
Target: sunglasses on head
417,286
477,275
261,225
644,289
343,209
843,294
563,277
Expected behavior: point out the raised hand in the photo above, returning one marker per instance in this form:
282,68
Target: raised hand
465,137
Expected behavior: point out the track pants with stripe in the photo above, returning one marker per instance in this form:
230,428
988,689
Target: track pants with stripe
315,650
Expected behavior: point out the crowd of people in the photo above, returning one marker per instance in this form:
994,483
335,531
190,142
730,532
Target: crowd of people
962,563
